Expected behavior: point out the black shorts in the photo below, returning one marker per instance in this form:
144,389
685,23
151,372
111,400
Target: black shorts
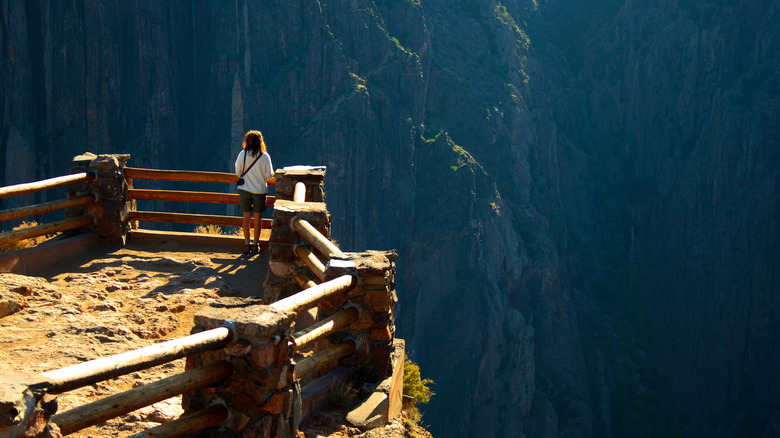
251,201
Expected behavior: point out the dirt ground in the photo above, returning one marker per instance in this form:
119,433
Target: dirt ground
114,300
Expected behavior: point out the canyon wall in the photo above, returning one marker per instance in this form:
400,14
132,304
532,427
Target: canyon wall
583,196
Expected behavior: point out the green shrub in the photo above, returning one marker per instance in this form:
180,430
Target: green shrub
416,389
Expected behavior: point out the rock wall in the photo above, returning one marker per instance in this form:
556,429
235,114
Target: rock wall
583,196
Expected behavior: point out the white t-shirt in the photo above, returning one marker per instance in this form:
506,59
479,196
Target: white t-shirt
255,179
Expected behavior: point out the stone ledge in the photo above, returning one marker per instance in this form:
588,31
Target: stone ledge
384,403
253,320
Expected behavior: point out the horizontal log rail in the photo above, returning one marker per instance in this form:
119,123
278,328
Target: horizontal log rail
199,219
188,196
326,327
188,424
311,260
307,365
44,229
322,243
119,404
97,370
303,281
182,196
37,186
184,175
311,296
46,207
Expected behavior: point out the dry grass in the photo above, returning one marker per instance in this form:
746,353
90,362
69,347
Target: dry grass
27,243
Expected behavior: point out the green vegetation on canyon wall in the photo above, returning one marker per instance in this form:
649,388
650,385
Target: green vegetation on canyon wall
583,195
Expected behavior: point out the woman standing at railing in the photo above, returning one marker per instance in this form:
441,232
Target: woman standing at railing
253,168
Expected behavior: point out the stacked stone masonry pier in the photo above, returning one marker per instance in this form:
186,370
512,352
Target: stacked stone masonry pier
264,394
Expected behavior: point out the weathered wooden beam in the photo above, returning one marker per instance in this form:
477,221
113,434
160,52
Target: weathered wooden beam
303,281
43,229
324,357
86,373
46,207
119,404
37,186
300,192
182,196
311,261
188,424
200,219
326,327
322,243
180,175
189,196
184,175
311,296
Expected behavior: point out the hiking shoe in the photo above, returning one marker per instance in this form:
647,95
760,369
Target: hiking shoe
248,249
255,249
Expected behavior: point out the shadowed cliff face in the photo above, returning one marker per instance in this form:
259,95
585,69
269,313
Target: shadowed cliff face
583,196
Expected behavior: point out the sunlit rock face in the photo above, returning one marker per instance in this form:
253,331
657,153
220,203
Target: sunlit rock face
583,197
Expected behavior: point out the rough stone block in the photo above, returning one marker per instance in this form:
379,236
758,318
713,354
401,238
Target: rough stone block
253,320
381,334
238,348
379,355
371,413
264,356
377,300
314,212
282,253
281,269
284,236
275,405
260,428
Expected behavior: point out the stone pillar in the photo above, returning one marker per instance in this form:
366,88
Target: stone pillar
375,297
111,207
262,397
283,262
312,176
25,408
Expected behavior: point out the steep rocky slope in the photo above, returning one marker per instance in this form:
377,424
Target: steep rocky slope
584,196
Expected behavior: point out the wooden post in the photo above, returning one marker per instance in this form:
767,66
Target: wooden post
310,297
303,281
322,243
97,370
23,189
311,261
128,401
300,192
326,327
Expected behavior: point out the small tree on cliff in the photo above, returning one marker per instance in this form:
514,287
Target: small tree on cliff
416,389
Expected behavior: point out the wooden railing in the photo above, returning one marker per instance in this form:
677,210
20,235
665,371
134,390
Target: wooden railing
47,207
97,370
132,173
